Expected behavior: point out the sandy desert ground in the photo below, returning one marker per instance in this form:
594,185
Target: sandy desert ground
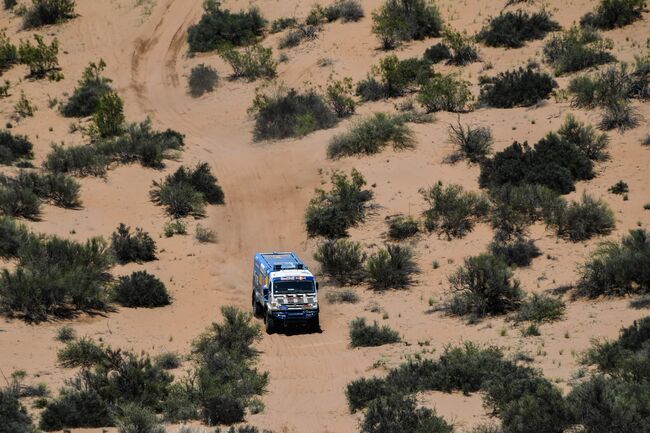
268,185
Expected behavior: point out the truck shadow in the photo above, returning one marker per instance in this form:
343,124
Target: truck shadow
297,330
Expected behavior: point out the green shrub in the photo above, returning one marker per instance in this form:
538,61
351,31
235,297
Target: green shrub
610,14
540,308
484,286
40,58
542,410
619,187
579,221
14,147
338,94
66,334
342,296
514,29
12,236
608,87
392,267
300,33
437,53
332,213
168,360
453,211
46,12
617,268
220,27
406,20
400,228
76,409
175,227
203,79
9,4
516,252
83,352
8,52
205,235
22,195
251,63
517,88
445,92
342,260
84,101
139,247
186,191
619,115
576,49
226,373
81,160
473,143
290,114
137,419
591,143
401,414
398,77
462,50
363,335
282,23
371,135
346,10
141,289
109,115
18,202
370,89
14,416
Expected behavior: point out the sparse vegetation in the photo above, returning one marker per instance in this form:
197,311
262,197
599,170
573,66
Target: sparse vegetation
592,144
610,14
204,235
24,107
14,148
8,52
445,92
295,36
339,96
461,48
342,260
400,228
14,415
619,115
134,418
332,213
136,247
108,118
579,221
187,191
371,135
202,79
437,53
392,267
514,29
473,143
250,62
342,296
576,49
220,27
483,286
398,20
84,101
515,252
65,334
345,10
168,360
618,268
517,88
453,211
42,59
282,23
540,308
288,113
363,335
46,12
21,196
619,188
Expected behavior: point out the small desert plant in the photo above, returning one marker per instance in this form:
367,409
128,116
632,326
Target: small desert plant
462,50
83,352
363,335
186,191
346,296
45,12
371,135
202,79
610,14
370,89
295,36
514,29
14,415
473,143
397,413
8,52
9,4
618,267
80,160
345,10
576,49
515,252
176,227
437,53
220,27
134,418
585,137
445,92
396,76
24,107
14,147
540,308
400,228
398,20
65,334
483,286
136,247
251,62
168,360
76,408
141,289
619,187
453,211
532,330
517,88
109,115
331,213
392,267
341,260
90,88
41,58
619,115
338,94
579,221
288,113
282,23
205,235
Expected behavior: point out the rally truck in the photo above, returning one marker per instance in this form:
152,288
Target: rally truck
284,291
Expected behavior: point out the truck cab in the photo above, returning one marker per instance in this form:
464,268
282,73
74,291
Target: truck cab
285,292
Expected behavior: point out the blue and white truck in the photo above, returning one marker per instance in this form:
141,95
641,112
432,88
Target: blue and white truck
284,291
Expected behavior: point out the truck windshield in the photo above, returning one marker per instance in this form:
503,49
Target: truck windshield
289,287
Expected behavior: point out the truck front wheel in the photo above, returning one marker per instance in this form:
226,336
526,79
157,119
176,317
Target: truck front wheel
268,321
257,308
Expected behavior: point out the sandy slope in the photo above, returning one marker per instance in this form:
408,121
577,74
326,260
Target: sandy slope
267,187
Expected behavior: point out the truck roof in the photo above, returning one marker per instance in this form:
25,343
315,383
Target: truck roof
277,261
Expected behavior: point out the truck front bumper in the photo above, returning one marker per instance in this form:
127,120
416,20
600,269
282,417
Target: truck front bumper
294,316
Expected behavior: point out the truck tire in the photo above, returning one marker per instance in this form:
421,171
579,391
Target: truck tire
257,308
315,323
268,322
